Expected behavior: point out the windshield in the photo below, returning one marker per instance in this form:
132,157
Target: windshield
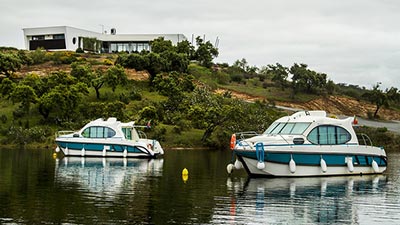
287,128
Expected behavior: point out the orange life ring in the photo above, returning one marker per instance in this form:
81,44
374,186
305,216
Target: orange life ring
233,141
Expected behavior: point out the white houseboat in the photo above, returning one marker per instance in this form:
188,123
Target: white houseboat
307,143
108,138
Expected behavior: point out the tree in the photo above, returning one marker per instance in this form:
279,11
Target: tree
114,76
134,60
175,61
330,87
299,73
156,64
24,94
49,102
279,74
378,97
205,52
82,72
393,95
98,81
185,47
307,80
173,83
33,80
175,86
6,87
241,64
160,45
63,101
210,111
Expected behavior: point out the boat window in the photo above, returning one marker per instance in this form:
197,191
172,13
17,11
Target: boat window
127,133
110,132
329,135
271,127
287,128
299,128
278,128
98,132
342,135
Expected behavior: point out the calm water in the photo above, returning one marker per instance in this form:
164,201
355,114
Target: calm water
35,188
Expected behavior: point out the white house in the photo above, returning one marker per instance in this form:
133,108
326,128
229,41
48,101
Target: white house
71,38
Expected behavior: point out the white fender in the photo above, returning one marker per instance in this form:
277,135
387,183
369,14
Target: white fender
292,166
260,165
57,149
324,168
66,151
238,165
125,153
350,165
229,168
83,151
375,166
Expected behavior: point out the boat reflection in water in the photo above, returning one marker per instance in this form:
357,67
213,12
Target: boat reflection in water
305,200
105,176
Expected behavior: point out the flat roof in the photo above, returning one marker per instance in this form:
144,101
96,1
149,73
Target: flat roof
103,37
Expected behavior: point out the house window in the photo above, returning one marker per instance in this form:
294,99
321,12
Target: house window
58,36
38,37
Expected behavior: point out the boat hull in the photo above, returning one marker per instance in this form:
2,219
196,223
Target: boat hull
111,149
307,164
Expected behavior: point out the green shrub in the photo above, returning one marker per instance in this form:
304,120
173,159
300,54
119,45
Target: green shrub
222,77
38,56
20,135
237,77
135,95
63,58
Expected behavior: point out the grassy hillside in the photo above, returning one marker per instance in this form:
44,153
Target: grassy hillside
200,107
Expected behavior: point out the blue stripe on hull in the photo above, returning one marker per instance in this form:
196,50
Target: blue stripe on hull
99,147
314,159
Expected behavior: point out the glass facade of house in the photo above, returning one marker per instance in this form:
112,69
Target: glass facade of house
125,46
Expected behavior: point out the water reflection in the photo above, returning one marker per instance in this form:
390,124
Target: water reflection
302,200
105,177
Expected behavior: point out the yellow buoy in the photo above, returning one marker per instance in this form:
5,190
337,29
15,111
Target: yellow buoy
185,178
185,175
185,172
54,155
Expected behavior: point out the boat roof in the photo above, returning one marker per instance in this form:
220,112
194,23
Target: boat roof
111,122
317,116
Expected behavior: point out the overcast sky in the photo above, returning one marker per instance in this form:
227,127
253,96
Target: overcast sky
353,41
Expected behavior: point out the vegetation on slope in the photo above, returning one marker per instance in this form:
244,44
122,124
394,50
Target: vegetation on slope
42,92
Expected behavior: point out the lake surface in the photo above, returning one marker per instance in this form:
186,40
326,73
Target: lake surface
36,188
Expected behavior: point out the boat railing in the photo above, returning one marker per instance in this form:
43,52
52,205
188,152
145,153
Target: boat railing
364,137
246,134
64,132
142,135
